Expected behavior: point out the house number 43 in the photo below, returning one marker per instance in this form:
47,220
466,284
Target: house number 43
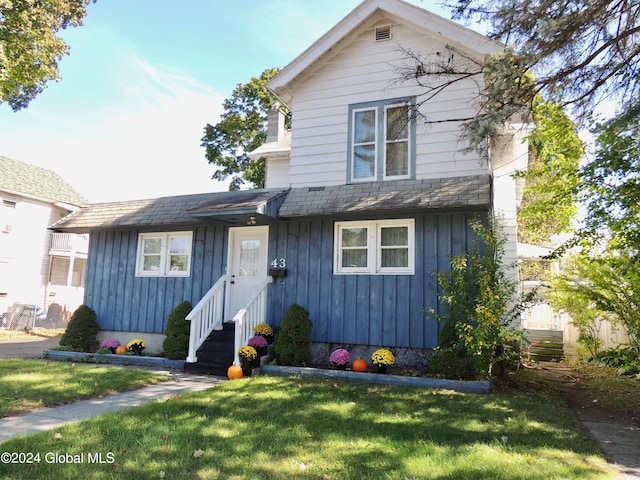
279,263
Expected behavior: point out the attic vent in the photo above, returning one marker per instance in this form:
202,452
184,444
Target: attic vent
316,189
383,32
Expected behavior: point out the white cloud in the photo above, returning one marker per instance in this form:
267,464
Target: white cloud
145,145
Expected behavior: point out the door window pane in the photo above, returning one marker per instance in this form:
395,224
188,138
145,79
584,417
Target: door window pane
249,258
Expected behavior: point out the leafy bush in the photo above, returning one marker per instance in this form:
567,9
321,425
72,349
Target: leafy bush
626,360
450,363
82,330
176,342
292,345
479,303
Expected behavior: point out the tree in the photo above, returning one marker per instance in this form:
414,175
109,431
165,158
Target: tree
600,286
572,52
549,204
610,183
579,51
30,48
478,304
241,129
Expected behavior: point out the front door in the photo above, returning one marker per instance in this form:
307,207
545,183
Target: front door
247,265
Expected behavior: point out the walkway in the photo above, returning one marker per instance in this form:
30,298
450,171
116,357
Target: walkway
55,417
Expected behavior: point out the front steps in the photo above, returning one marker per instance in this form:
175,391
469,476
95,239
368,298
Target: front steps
216,354
545,345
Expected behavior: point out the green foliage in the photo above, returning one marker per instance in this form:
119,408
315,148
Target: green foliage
625,360
549,202
581,51
82,330
600,286
176,342
30,47
478,299
241,129
450,363
292,344
610,185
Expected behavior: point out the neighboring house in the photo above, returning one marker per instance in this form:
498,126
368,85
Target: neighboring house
38,267
363,205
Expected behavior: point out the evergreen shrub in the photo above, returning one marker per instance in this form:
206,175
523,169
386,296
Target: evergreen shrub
82,331
176,342
292,345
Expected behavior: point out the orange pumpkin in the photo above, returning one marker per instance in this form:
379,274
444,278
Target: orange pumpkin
234,371
359,365
121,349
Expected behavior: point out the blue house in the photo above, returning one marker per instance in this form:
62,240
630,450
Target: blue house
363,205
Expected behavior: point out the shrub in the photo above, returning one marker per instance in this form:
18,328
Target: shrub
292,345
450,363
176,342
82,330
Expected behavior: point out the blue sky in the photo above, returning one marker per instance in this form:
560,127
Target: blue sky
143,79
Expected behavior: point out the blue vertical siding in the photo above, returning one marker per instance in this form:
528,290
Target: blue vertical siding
358,309
364,309
123,301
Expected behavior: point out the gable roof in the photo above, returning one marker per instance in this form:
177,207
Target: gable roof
24,179
182,210
445,30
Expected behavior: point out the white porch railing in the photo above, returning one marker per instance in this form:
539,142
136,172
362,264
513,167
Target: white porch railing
205,317
247,318
69,243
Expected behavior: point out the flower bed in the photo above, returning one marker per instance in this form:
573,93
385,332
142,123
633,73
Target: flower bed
114,359
422,382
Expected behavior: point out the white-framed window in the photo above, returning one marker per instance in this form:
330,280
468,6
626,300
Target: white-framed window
384,247
166,254
381,141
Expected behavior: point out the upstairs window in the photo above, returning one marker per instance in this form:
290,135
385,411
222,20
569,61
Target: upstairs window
164,254
381,141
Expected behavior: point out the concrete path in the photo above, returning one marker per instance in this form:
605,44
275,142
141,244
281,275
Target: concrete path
55,417
49,418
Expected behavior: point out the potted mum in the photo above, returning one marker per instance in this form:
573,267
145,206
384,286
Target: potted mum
111,344
260,344
264,330
136,346
382,359
248,355
340,358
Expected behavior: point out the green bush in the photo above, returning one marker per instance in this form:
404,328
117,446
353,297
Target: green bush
82,331
450,363
176,342
292,345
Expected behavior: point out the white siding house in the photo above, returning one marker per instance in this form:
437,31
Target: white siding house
38,267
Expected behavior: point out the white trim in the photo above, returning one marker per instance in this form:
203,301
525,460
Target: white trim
163,268
374,248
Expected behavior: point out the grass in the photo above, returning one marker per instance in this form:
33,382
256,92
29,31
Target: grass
613,391
291,428
30,334
29,384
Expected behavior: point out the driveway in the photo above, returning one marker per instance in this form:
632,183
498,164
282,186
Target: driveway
27,348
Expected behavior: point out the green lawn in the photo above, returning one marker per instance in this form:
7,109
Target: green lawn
29,384
288,428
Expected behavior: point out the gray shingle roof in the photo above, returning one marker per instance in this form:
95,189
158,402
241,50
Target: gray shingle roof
36,181
170,211
235,207
386,197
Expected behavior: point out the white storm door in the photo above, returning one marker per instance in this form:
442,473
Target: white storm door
247,265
